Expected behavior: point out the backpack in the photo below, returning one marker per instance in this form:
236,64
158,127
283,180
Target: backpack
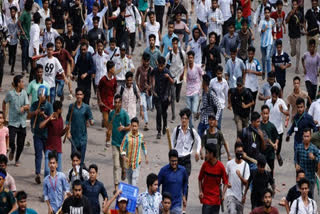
297,206
135,91
181,56
177,135
80,173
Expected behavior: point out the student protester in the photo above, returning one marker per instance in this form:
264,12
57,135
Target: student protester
238,174
166,202
55,185
36,83
221,87
39,135
14,37
77,172
112,50
174,179
120,30
22,204
176,63
277,108
229,41
246,38
280,62
226,7
240,100
180,28
202,8
9,183
210,194
266,27
251,74
96,11
211,56
215,21
48,35
166,43
78,121
209,105
71,38
18,101
59,14
279,16
54,124
106,91
153,51
133,23
259,179
150,201
8,202
304,202
235,68
306,157
34,43
199,39
300,121
294,19
122,203
311,66
96,33
45,13
130,151
238,18
266,208
119,123
294,191
311,27
77,202
143,81
161,83
152,27
92,188
265,90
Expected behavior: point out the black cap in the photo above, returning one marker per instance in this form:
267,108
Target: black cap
239,81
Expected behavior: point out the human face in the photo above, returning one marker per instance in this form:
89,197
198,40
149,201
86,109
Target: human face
112,45
95,10
239,87
22,204
58,45
306,137
39,73
300,176
53,164
250,55
69,27
79,96
166,204
214,4
178,17
154,187
173,162
48,25
45,4
304,189
96,24
312,48
208,155
129,2
271,80
190,59
134,127
196,34
212,122
151,17
146,63
122,53
256,123
93,174
279,49
122,206
294,5
100,47
267,200
239,150
12,13
212,39
231,29
50,51
77,191
260,169
296,84
84,49
184,121
219,75
129,82
21,84
117,104
279,8
152,42
175,45
239,14
244,27
265,114
170,29
161,67
314,4
233,55
267,14
300,108
75,161
274,97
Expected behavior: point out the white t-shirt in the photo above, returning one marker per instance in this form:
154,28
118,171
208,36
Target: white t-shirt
153,29
252,81
236,190
275,116
225,8
51,67
314,110
196,47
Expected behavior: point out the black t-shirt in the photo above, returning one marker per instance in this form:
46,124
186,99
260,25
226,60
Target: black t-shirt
294,193
236,100
162,84
94,35
121,31
251,141
58,10
174,9
80,206
260,182
295,20
312,17
211,64
71,42
76,18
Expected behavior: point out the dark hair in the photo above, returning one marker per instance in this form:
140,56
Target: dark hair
152,36
134,120
175,39
267,190
307,130
219,68
122,7
13,8
213,33
99,41
60,38
16,80
300,101
57,105
118,96
28,5
112,40
303,181
255,116
69,22
170,23
38,66
232,23
50,45
3,159
312,42
244,21
251,48
96,4
275,90
129,74
53,154
167,195
1,112
240,8
186,112
48,19
151,178
161,60
173,153
76,183
299,172
36,17
84,44
75,154
21,195
151,13
261,160
79,89
263,107
146,57
110,64
206,79
191,53
293,1
43,1
296,78
93,166
279,2
211,148
233,49
278,42
238,145
96,18
271,74
267,8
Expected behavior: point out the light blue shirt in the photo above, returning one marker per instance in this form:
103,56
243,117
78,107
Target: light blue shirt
54,190
166,43
16,101
266,37
234,70
160,2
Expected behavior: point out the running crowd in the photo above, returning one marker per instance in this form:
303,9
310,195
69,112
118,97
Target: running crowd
92,43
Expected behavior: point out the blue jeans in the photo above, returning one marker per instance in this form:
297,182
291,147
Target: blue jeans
192,104
201,128
186,35
46,163
146,104
249,21
59,87
133,175
39,145
220,120
52,94
24,53
80,148
266,58
176,210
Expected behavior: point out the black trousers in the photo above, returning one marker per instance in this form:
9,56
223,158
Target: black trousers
186,162
254,97
1,66
159,15
21,136
312,91
279,144
12,55
161,107
86,92
132,41
210,209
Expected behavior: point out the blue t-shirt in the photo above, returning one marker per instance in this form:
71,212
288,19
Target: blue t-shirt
28,211
167,42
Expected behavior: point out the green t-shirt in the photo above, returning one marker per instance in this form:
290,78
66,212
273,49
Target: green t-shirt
143,5
121,118
33,89
271,133
25,20
6,201
217,139
238,24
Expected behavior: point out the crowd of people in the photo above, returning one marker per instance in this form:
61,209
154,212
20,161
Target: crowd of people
87,44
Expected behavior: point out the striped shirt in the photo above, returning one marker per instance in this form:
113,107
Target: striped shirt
131,147
266,37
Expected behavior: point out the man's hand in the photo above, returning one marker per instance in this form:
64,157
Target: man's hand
197,157
238,173
229,107
120,128
50,211
213,19
84,75
282,66
243,201
142,114
243,105
298,167
311,156
184,201
275,146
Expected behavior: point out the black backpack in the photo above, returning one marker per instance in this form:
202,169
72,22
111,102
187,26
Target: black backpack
177,135
297,206
135,91
170,58
80,173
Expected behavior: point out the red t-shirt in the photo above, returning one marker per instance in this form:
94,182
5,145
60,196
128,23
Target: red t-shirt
259,210
246,8
279,19
55,128
211,176
107,89
63,56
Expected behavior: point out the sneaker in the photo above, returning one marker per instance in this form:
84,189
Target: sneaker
145,127
159,135
280,161
11,155
139,44
70,97
164,131
38,179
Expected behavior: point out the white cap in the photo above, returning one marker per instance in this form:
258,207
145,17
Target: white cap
122,199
